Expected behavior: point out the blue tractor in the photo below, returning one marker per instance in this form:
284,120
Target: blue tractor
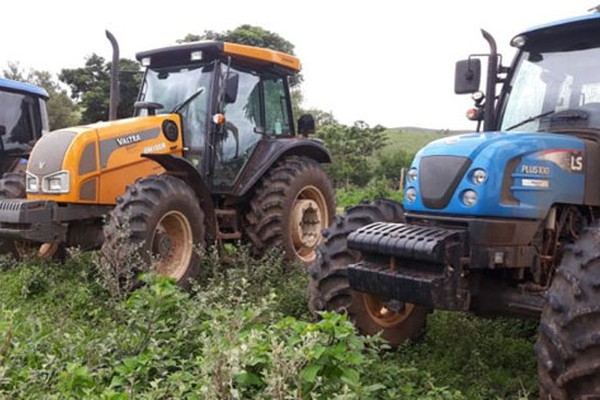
501,221
23,120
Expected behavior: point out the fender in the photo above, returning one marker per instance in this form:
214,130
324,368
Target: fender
185,170
269,151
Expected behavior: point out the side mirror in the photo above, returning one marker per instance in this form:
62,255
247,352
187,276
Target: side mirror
467,76
231,87
306,125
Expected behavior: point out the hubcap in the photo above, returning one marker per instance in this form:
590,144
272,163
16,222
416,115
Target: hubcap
172,245
387,314
308,218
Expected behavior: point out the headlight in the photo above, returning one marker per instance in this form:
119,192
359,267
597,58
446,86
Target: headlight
56,183
410,195
479,176
31,183
411,175
469,198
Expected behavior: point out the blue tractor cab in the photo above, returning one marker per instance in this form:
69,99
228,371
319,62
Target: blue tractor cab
23,119
500,221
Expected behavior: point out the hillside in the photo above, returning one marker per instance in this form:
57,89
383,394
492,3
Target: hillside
411,139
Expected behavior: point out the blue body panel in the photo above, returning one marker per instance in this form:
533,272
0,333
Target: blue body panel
549,172
22,87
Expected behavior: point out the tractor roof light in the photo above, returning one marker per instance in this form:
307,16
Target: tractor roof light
519,41
146,61
196,55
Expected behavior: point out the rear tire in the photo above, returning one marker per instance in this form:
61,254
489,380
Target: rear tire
12,186
568,344
159,218
292,204
329,288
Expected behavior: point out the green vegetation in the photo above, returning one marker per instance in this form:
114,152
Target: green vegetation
243,333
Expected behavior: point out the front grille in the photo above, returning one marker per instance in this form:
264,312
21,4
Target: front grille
439,176
10,205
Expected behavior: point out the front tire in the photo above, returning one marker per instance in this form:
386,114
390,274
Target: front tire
292,204
329,288
568,344
160,218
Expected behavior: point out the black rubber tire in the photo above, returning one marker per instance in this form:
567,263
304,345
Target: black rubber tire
141,211
568,344
12,186
269,221
329,288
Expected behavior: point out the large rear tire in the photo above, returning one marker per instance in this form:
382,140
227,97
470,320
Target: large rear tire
292,204
160,218
12,186
568,344
329,288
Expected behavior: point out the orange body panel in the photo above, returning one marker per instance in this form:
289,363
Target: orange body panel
260,54
116,158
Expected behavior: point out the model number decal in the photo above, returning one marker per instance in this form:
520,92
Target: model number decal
125,140
535,170
154,148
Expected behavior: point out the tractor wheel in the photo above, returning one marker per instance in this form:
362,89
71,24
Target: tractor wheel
293,203
160,218
12,186
329,288
568,344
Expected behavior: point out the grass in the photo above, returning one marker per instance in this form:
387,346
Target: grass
63,335
411,139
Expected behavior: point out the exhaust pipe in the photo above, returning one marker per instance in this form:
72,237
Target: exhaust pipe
114,78
489,118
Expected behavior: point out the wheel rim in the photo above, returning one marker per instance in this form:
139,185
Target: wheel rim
384,316
172,245
308,218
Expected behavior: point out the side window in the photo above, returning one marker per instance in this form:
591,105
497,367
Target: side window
276,109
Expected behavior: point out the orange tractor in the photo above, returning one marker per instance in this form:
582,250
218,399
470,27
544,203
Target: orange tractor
212,155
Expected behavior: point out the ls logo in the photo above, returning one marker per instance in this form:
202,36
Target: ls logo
576,162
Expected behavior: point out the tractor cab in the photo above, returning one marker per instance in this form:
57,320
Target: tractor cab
23,120
228,96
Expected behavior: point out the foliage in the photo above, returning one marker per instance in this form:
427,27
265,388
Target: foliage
252,36
62,111
90,86
351,147
391,165
64,335
352,195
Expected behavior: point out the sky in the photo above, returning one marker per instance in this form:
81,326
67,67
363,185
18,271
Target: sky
382,62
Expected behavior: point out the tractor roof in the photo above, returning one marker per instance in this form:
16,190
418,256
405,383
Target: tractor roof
582,26
196,51
22,87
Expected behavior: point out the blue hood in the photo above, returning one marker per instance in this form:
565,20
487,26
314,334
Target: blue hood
526,174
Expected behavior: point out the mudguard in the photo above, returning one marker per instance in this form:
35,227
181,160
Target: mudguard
269,151
185,170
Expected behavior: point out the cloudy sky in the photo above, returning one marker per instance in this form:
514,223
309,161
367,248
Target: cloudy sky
384,62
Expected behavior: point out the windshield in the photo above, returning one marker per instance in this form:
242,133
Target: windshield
171,86
20,121
546,83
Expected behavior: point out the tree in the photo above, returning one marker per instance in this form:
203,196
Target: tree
62,112
391,165
352,148
90,86
252,36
